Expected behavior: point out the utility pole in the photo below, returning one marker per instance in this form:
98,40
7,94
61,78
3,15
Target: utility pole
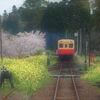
89,43
1,40
80,41
76,34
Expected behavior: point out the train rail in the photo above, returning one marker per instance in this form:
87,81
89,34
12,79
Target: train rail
74,84
73,81
55,94
7,95
66,85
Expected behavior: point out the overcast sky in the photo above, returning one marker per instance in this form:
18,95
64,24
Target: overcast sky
7,4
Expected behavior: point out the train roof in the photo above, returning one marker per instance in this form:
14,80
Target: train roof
66,40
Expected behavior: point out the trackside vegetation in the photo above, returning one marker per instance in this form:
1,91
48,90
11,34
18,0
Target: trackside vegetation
29,74
92,75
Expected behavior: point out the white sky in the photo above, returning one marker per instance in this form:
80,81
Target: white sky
7,4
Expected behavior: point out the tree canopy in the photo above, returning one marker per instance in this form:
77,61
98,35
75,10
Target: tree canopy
55,18
63,16
96,15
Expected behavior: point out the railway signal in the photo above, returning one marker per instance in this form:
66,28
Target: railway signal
86,45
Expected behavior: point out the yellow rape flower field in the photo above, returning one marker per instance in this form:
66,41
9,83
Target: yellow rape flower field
29,74
93,73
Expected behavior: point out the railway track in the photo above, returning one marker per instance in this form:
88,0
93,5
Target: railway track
5,97
65,87
62,82
74,84
56,89
14,94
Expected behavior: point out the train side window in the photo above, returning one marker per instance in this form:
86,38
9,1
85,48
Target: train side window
60,45
70,45
65,45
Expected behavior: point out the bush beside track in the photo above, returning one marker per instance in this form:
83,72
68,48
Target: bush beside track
92,75
29,74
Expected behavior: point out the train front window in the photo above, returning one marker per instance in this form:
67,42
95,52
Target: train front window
65,45
70,45
60,45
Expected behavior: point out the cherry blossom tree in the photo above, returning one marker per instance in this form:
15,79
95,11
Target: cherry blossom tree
23,44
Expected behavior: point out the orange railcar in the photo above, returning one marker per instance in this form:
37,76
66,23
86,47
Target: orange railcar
66,49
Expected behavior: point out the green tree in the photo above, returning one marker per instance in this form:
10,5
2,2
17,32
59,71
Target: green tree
14,9
34,3
11,24
79,14
69,16
60,17
5,15
31,13
54,19
96,15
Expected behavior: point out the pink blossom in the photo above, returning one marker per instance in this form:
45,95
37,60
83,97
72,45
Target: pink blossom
23,44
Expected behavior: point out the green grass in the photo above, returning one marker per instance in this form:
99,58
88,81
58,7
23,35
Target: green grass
29,74
93,73
53,60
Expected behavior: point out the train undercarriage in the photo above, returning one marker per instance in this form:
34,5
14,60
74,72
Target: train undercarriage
67,57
